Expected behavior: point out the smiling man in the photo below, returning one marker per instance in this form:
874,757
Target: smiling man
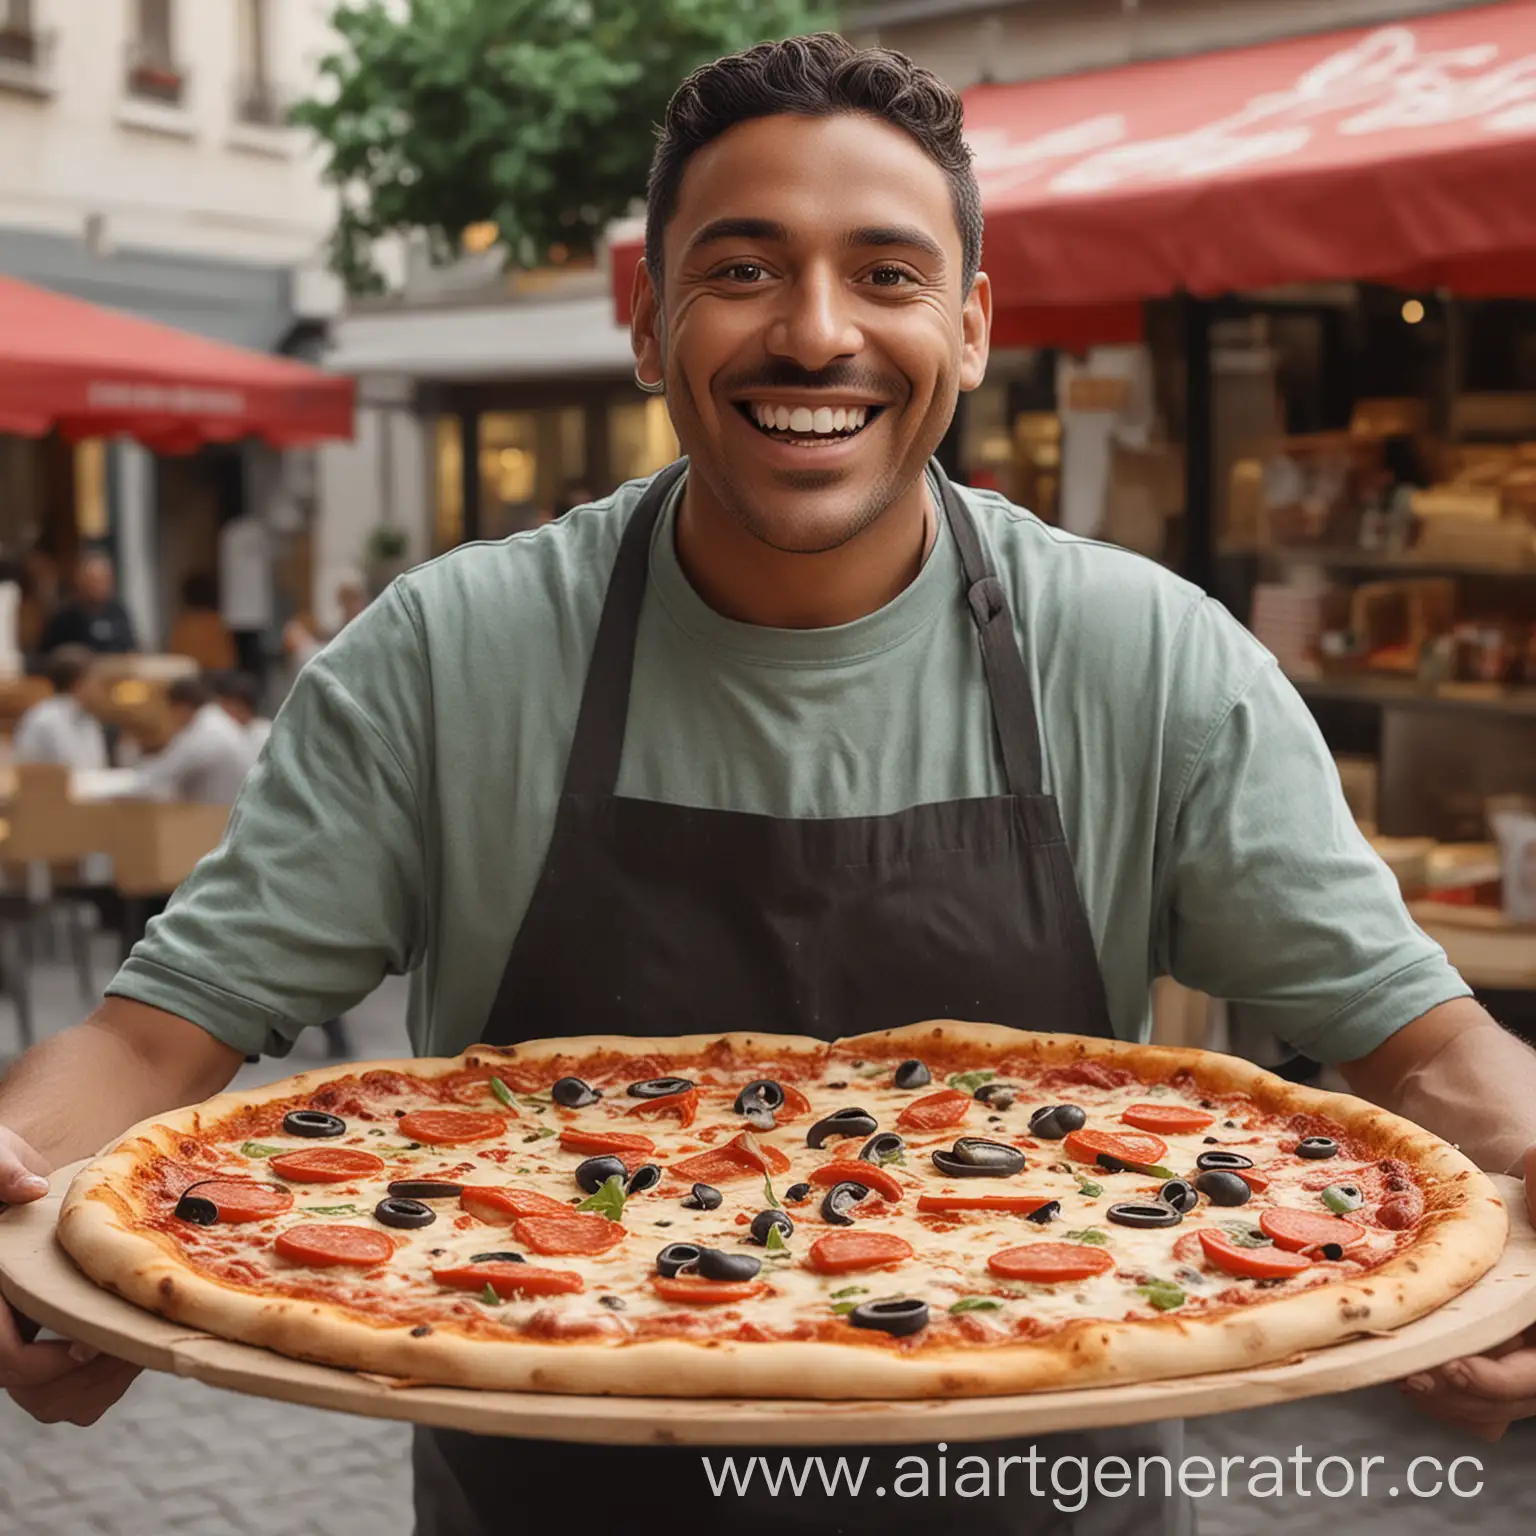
794,736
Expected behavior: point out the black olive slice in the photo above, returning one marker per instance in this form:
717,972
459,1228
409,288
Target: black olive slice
997,1095
1222,1187
397,1211
884,1147
912,1074
1143,1213
763,1094
797,1191
646,1176
842,1122
1334,1251
573,1093
765,1221
1316,1148
425,1189
714,1265
1180,1194
659,1087
703,1197
1056,1121
973,1157
613,1303
593,1172
1223,1160
313,1122
501,1256
197,1210
898,1317
836,1201
676,1257
1045,1213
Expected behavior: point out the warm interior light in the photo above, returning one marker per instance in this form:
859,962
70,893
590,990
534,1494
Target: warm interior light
478,238
1413,311
130,693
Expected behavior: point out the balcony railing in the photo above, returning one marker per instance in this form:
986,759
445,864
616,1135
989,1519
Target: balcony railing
152,75
261,102
26,57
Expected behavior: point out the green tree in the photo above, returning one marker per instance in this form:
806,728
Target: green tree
535,115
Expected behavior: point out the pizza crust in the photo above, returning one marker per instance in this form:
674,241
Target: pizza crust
1459,1239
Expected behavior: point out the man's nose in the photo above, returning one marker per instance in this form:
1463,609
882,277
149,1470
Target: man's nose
816,325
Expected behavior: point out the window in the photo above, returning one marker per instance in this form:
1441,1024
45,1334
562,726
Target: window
18,34
152,68
256,101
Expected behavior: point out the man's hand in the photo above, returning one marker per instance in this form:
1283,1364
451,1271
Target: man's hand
56,1380
1485,1394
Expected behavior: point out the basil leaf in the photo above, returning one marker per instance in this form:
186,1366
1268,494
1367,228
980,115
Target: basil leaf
261,1149
851,1290
1245,1236
1088,1235
333,1210
769,1195
976,1304
609,1199
891,1157
843,1308
1164,1295
969,1082
1155,1170
489,1296
776,1243
1089,1187
503,1093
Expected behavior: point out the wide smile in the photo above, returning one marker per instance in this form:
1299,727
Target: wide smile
808,428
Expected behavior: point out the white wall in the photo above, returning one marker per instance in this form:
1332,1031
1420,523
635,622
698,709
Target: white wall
191,179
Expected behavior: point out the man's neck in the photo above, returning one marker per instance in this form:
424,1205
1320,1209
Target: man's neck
746,580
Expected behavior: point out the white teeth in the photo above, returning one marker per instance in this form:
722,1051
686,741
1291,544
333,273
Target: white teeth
782,417
839,419
856,416
821,421
801,420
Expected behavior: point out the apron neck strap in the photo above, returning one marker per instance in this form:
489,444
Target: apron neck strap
598,745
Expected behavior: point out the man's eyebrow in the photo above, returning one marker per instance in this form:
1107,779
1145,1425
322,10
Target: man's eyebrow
895,234
738,229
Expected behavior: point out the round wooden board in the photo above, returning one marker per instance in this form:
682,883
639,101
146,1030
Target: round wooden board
41,1281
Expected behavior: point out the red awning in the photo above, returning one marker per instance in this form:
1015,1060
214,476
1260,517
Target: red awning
1404,154
93,372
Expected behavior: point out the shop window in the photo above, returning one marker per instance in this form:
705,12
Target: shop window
448,461
526,457
640,439
91,489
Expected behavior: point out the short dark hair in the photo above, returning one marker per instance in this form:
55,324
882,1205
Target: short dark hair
239,686
65,666
820,75
191,691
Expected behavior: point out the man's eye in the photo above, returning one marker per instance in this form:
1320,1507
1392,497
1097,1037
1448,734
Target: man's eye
742,271
890,277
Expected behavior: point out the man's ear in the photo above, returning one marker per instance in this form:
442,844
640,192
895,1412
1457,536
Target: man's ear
975,332
645,327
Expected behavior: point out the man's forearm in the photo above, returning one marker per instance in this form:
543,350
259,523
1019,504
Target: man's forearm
71,1094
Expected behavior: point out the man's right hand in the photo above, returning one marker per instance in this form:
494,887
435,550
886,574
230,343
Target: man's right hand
56,1380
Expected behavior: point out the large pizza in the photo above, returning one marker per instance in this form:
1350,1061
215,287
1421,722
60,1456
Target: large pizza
939,1210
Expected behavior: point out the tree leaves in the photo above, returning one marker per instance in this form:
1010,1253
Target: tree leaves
536,115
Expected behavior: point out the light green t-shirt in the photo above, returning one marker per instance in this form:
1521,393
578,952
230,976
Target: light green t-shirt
401,811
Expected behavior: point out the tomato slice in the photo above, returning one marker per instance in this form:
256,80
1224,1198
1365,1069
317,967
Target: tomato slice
632,1150
882,1182
323,1246
835,1253
937,1112
572,1233
506,1205
1167,1118
508,1279
1128,1146
325,1165
240,1200
684,1105
444,1127
1251,1263
1297,1231
1048,1263
1015,1205
757,1156
698,1292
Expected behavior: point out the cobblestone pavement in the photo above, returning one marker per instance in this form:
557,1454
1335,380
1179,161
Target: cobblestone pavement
181,1459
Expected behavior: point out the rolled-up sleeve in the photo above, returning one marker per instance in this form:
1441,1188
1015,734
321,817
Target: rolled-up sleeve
318,889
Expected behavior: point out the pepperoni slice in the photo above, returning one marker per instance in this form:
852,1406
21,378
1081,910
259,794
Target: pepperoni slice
444,1127
1251,1263
326,1165
1048,1263
1128,1146
240,1200
698,1292
836,1253
572,1233
1256,1181
684,1105
1167,1118
713,1167
506,1205
1297,1231
937,1112
1015,1205
631,1149
323,1246
508,1279
795,1106
883,1183
748,1150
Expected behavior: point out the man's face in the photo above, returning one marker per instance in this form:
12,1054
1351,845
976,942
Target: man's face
96,581
812,278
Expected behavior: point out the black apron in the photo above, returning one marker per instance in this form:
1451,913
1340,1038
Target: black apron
657,919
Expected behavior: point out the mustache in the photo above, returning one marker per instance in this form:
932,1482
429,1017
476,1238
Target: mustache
781,373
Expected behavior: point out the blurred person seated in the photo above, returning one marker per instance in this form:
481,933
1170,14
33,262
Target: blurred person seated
39,598
200,631
93,617
63,729
304,639
238,694
206,759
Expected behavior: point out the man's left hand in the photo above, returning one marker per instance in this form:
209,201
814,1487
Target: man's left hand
1485,1394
